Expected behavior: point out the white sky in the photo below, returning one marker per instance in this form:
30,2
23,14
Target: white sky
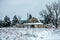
22,7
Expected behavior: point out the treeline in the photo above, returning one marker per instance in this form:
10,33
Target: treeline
7,22
16,20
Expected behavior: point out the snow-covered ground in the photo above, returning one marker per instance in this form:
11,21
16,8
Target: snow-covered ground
29,34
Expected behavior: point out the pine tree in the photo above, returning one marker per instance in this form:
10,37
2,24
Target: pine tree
7,21
30,16
15,20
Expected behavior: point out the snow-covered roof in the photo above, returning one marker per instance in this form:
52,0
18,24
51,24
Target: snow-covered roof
32,23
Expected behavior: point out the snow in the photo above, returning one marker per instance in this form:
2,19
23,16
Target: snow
29,34
33,23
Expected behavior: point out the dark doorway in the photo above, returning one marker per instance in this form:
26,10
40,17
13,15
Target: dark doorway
32,26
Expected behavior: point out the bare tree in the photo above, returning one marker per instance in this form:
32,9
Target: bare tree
53,13
55,8
46,17
19,19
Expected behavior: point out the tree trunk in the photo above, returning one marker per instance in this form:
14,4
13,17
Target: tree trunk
56,19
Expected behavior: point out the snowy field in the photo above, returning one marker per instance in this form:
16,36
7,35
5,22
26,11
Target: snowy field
29,34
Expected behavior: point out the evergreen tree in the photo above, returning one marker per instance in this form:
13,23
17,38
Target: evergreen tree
30,16
7,21
0,23
15,20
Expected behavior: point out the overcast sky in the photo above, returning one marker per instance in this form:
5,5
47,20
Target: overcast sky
22,7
